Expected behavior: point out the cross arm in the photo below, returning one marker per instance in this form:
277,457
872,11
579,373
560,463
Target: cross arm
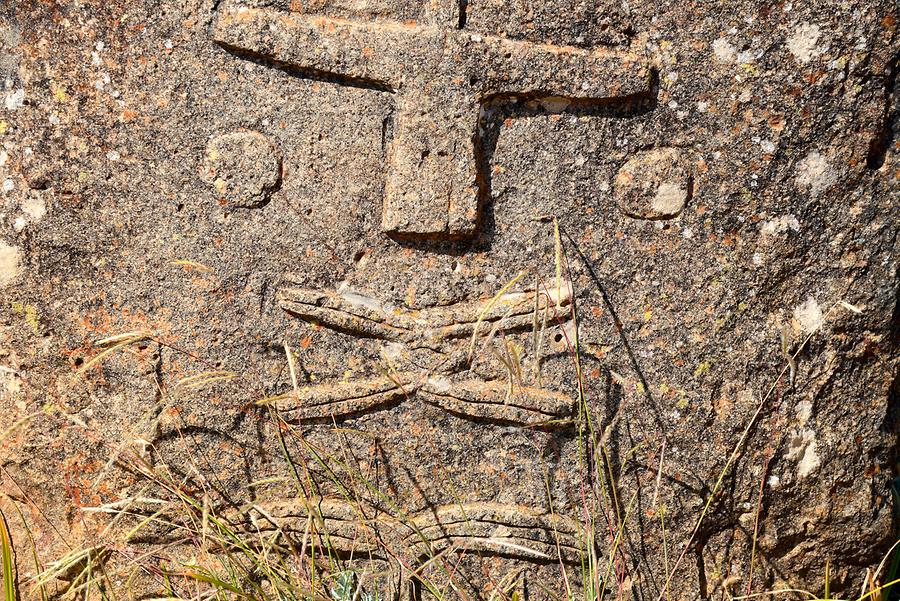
370,53
518,68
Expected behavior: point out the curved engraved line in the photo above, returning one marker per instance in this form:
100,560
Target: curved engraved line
517,400
268,59
506,546
458,513
514,532
346,399
325,394
345,322
342,524
517,532
498,420
523,408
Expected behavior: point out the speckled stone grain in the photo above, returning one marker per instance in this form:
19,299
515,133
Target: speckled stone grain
360,180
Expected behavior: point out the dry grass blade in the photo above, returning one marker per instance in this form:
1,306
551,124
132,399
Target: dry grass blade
77,567
34,553
812,597
270,400
188,265
18,425
292,369
885,559
127,337
487,310
113,344
851,308
557,246
205,379
781,591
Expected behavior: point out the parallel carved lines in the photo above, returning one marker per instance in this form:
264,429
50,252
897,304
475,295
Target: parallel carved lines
365,316
515,531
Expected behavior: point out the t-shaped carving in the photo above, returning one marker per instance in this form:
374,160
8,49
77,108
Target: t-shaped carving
442,78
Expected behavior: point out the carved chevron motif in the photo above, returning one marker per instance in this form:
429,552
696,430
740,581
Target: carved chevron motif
392,552
434,328
365,316
342,525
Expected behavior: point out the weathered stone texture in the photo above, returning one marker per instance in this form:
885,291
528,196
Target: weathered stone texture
367,182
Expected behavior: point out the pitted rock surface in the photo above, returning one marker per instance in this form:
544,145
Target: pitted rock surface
359,242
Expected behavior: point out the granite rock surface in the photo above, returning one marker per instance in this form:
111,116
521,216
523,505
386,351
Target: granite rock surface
432,204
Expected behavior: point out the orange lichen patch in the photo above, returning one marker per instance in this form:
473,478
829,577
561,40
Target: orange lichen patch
702,167
776,123
815,76
74,467
243,16
872,470
128,115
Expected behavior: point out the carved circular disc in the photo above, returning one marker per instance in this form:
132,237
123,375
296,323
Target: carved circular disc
243,167
655,184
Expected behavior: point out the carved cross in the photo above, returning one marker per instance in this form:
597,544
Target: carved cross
443,78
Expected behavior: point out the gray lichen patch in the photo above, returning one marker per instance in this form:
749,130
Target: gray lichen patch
655,184
243,167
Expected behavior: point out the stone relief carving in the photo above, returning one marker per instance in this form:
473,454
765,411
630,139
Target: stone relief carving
445,81
444,78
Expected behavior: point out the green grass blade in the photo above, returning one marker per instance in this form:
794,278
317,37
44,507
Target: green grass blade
9,572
